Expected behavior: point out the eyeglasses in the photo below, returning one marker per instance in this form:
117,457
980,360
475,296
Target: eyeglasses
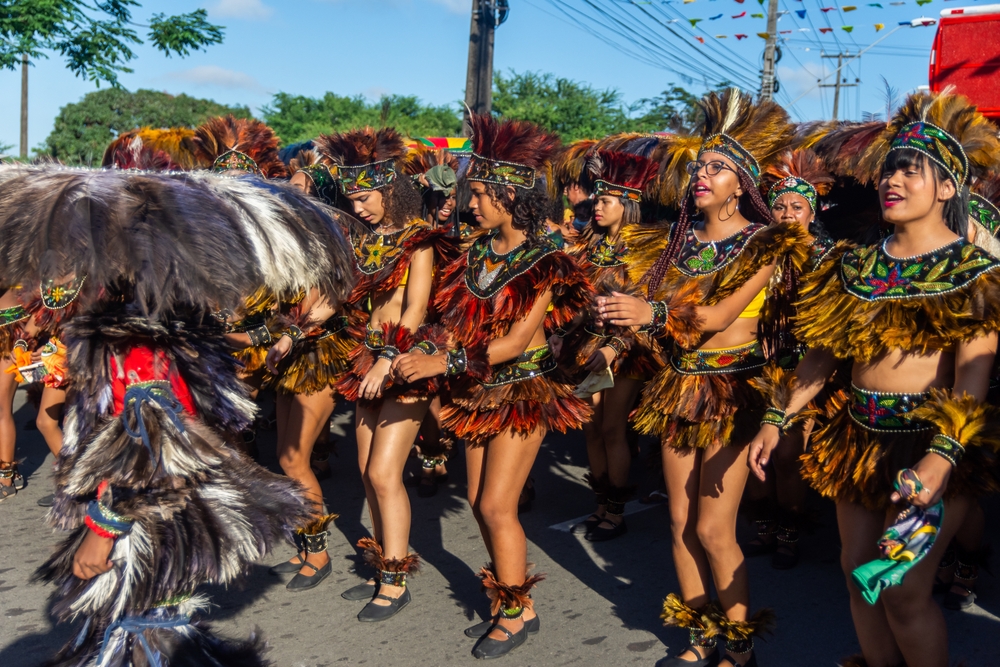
711,168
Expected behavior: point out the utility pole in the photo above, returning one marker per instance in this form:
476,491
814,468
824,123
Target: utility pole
768,82
24,105
486,16
840,82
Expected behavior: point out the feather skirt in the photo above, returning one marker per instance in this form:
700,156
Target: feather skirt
638,363
848,463
315,364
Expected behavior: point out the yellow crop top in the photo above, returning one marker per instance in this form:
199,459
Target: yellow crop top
755,306
406,277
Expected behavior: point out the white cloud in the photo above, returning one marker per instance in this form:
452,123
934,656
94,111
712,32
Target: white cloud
253,10
375,92
212,75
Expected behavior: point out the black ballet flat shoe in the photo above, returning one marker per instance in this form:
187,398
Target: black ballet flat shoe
288,567
488,648
726,661
301,582
46,501
373,613
482,629
711,660
363,591
599,534
957,601
589,524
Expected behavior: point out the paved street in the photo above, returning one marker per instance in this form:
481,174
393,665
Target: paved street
599,605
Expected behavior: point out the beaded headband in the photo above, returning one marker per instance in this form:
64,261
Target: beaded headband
366,177
724,144
499,172
984,212
936,144
602,187
234,160
794,185
323,181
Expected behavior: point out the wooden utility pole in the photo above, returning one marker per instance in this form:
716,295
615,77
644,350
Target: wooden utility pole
840,82
479,78
24,105
767,76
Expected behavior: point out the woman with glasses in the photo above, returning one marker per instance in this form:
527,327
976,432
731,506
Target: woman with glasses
704,292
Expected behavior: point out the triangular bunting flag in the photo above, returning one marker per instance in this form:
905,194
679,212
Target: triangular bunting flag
825,30
805,30
715,18
784,32
850,28
879,26
848,8
694,22
700,39
923,2
875,4
801,13
720,36
763,35
740,15
740,35
756,16
826,9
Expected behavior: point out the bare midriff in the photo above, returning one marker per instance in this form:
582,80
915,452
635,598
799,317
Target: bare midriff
900,372
739,333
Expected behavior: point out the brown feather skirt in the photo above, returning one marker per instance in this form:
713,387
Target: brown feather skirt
638,363
315,364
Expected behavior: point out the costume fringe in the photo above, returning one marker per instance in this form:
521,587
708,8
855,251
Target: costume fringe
518,141
761,127
735,631
778,385
315,363
316,525
504,596
361,146
963,418
362,360
410,564
679,615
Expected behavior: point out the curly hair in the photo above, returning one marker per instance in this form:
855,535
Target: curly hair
529,209
401,201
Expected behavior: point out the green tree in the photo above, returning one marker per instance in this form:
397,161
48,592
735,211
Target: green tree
84,129
94,37
298,118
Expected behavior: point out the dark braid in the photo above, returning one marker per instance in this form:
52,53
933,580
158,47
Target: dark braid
679,233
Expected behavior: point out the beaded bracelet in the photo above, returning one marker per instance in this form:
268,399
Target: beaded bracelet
658,318
389,352
948,448
775,417
294,333
259,336
457,362
616,344
21,344
560,332
425,347
106,523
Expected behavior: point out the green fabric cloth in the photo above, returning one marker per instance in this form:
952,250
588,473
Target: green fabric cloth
441,178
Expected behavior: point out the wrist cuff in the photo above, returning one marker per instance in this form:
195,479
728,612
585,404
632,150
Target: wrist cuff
948,448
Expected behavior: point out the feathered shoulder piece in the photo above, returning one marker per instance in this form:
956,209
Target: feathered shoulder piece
645,245
129,152
509,152
570,162
620,174
752,134
772,245
241,144
366,159
862,302
799,171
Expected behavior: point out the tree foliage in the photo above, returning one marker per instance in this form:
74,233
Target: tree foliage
84,129
298,118
95,38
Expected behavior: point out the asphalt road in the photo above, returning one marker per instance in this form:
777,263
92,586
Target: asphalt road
598,606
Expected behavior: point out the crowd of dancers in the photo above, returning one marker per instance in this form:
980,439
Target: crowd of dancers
779,305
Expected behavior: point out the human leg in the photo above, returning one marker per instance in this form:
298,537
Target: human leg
50,412
614,432
8,437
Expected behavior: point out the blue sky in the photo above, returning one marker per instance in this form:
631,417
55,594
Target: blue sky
419,47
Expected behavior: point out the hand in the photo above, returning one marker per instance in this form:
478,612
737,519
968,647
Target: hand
623,310
278,352
556,345
761,447
415,366
36,355
375,380
92,558
600,359
933,471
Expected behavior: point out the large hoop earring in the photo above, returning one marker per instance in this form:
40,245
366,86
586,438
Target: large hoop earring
730,214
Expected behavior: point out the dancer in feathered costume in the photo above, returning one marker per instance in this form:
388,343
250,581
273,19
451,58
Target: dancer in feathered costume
13,336
624,358
572,183
706,284
918,315
156,504
506,391
793,187
395,252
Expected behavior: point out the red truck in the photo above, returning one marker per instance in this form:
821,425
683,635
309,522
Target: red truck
966,55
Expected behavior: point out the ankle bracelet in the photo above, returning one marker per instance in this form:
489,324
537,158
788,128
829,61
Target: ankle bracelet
387,578
739,646
512,614
430,464
697,638
963,569
615,507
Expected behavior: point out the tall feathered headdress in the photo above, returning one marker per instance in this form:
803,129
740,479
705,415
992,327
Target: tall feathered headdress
176,142
310,163
241,144
128,151
365,159
801,172
569,165
509,152
620,174
947,128
432,168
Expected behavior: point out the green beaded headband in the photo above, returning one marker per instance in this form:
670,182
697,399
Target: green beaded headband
366,177
499,172
936,144
323,181
984,212
234,160
794,185
724,144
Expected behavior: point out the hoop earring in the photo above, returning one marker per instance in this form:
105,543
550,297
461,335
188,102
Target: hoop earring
733,212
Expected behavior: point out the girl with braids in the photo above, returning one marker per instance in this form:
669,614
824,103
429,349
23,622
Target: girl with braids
918,315
705,293
620,181
506,392
793,186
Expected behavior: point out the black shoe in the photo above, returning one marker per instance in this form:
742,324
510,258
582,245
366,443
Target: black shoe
374,612
599,534
288,567
726,661
711,660
488,648
482,629
363,591
301,582
958,601
47,501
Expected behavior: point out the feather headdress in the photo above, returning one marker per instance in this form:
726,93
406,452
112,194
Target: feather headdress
177,143
620,174
311,164
242,144
365,158
127,152
569,165
984,202
671,152
509,152
801,172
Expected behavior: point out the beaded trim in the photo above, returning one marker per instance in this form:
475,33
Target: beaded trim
884,412
617,345
948,448
366,177
425,347
457,362
374,339
234,160
602,187
794,185
984,212
429,463
697,638
324,182
775,417
259,335
936,144
658,318
512,614
709,362
739,646
723,144
487,272
105,522
294,333
387,578
606,253
532,363
499,172
701,258
12,315
389,352
57,297
315,543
